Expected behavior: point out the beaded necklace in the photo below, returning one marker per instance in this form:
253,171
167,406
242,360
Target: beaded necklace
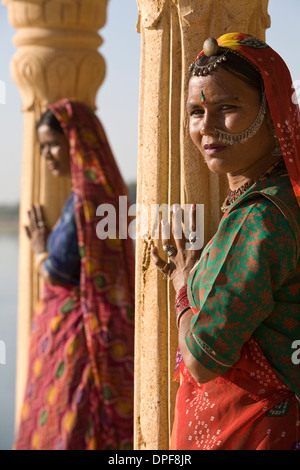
233,195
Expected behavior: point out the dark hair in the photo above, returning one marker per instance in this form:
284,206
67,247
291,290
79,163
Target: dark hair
49,119
236,64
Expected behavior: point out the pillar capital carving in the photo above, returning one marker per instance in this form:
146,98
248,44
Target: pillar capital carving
58,45
249,16
64,14
150,12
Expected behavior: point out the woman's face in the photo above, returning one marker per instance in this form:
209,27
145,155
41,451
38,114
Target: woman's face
225,102
55,149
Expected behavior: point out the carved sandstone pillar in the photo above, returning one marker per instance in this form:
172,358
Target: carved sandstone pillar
57,57
171,171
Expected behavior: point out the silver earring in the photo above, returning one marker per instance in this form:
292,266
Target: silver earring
242,137
276,152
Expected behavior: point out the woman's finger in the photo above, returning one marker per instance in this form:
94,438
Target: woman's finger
194,234
35,215
159,263
28,233
167,246
165,232
177,227
32,218
192,218
39,213
40,221
162,265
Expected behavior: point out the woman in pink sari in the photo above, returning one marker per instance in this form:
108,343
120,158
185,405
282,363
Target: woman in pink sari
79,392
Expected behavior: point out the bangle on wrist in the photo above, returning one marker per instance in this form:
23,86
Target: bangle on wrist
179,315
181,303
40,258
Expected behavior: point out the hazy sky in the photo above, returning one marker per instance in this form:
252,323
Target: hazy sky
117,99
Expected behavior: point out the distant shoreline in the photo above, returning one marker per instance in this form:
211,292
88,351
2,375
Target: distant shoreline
9,219
9,214
9,225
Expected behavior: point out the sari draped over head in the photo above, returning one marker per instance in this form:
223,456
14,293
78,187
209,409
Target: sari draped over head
80,383
244,293
280,93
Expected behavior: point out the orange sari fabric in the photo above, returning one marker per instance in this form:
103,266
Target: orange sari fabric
232,412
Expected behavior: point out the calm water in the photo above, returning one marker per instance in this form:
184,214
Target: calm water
8,324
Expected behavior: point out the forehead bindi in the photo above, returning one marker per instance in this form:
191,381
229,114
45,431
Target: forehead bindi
203,96
223,84
220,88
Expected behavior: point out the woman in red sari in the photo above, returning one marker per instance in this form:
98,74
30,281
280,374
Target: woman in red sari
79,392
238,305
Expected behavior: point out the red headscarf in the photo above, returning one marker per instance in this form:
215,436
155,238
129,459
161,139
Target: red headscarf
280,96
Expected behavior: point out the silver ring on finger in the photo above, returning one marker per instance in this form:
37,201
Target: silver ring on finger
170,250
41,223
192,238
165,270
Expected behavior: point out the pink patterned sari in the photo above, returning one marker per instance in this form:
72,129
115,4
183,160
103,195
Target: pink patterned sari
79,393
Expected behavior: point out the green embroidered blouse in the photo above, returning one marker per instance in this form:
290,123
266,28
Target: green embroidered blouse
247,283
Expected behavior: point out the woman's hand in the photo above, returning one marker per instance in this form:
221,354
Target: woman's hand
183,261
178,269
37,231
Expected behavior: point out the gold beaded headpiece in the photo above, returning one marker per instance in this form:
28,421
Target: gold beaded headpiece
210,48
